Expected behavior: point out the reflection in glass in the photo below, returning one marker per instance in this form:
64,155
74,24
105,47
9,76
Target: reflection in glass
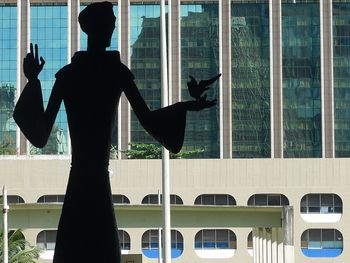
145,61
8,47
301,80
341,62
200,59
250,80
48,29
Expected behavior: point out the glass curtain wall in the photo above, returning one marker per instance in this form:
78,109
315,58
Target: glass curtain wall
145,61
48,29
250,79
341,60
200,59
113,47
301,79
8,47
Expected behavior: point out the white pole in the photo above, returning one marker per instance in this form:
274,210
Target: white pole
170,71
221,105
165,160
159,236
5,209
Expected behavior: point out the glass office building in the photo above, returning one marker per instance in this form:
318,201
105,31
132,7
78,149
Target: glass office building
250,80
8,70
301,79
49,30
244,123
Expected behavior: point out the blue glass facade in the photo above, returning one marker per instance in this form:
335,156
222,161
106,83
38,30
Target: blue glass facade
48,29
250,80
200,59
8,48
302,136
341,63
145,61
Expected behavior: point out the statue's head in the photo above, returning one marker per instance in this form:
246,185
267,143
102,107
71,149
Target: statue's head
97,20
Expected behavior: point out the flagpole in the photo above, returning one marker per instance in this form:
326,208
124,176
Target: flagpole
165,153
5,209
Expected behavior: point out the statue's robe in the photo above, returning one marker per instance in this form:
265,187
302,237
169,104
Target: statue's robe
90,87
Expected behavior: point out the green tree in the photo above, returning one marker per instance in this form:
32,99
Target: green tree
19,250
7,105
153,151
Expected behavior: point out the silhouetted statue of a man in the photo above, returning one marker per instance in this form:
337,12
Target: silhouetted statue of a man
90,87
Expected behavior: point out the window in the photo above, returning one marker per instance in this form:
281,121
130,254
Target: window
46,239
14,199
150,244
321,243
268,200
51,199
215,239
250,243
120,199
124,240
215,199
321,208
215,243
153,199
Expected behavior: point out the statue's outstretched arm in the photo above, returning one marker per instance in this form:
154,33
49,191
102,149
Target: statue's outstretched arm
167,125
29,114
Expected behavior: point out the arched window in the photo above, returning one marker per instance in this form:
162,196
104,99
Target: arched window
268,200
124,240
14,199
215,199
150,244
215,243
153,199
51,199
46,239
250,243
321,243
120,199
321,208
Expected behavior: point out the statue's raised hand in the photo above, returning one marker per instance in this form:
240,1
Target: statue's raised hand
31,65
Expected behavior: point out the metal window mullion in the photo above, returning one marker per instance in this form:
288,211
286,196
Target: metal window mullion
203,239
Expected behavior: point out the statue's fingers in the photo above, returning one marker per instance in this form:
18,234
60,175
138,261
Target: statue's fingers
36,54
31,48
42,60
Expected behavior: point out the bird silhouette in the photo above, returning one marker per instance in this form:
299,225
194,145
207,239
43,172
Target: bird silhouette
196,89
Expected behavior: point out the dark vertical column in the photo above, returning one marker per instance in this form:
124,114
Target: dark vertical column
327,78
226,80
23,39
276,79
124,26
176,50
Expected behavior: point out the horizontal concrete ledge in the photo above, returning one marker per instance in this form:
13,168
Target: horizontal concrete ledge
150,216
